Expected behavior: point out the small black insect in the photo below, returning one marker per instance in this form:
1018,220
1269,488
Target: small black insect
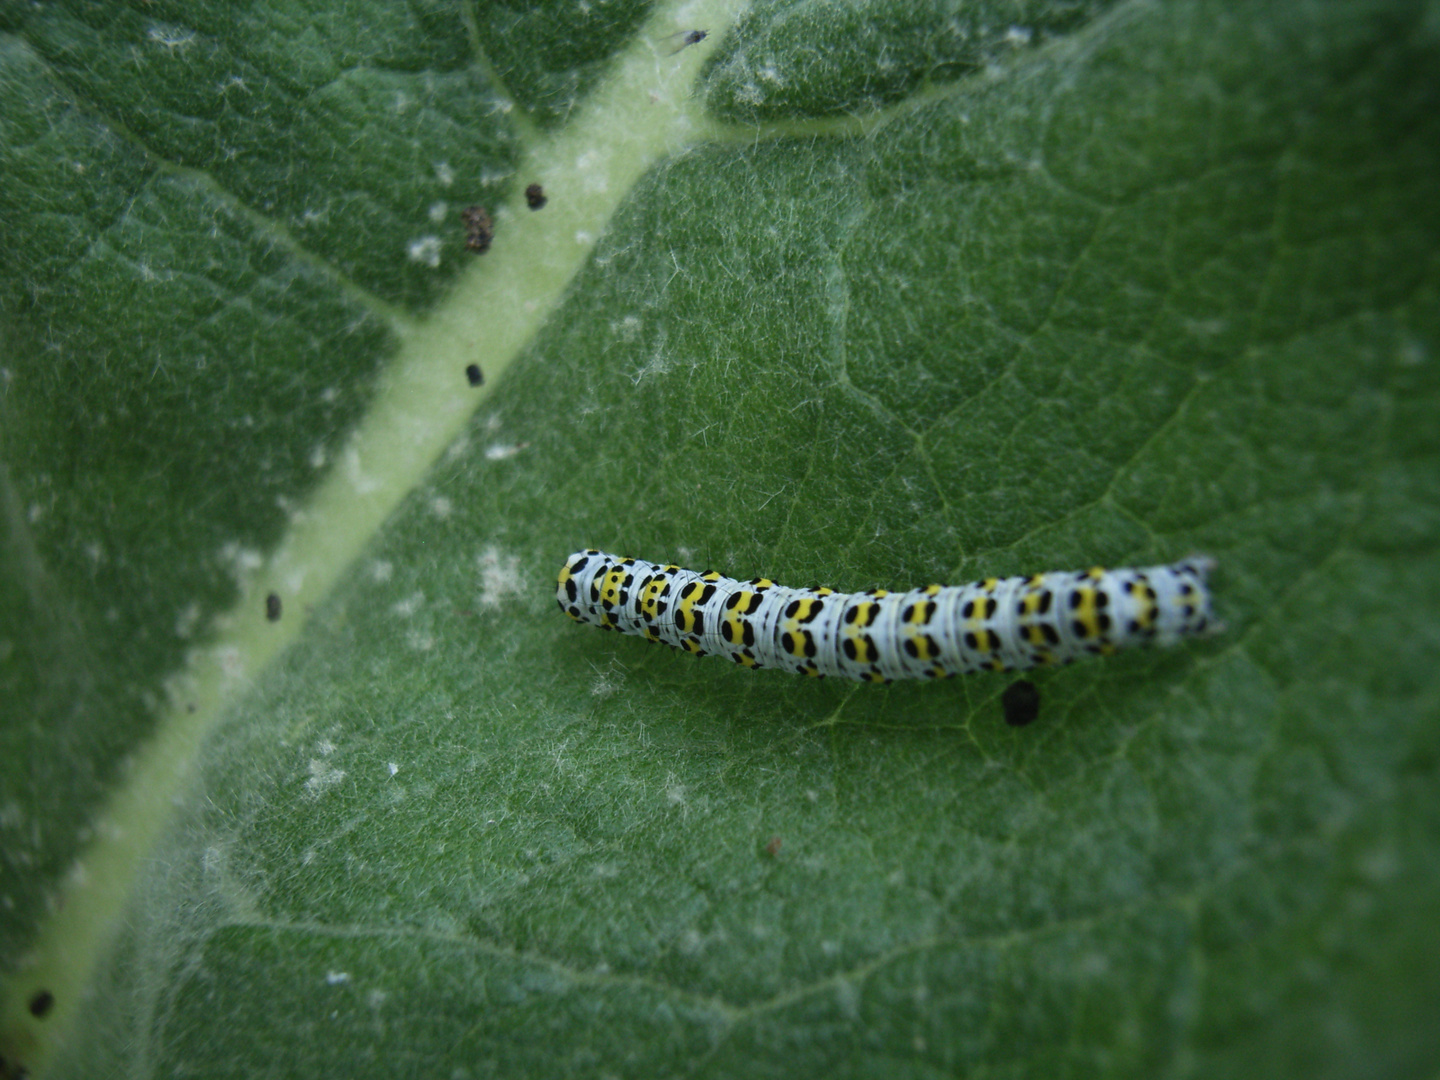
479,229
475,375
272,607
1021,701
688,37
41,1002
535,197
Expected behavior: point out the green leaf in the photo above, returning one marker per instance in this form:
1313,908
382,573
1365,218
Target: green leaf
1095,283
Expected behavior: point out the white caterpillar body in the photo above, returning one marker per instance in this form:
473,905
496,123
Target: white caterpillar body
934,632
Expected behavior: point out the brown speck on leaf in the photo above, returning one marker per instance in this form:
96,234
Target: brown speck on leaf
772,847
479,229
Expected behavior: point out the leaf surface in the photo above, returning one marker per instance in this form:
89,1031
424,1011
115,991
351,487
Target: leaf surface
1113,284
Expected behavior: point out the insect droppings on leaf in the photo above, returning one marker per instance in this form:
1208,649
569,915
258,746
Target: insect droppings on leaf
1021,701
479,229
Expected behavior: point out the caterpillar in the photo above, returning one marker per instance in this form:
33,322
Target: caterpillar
934,632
